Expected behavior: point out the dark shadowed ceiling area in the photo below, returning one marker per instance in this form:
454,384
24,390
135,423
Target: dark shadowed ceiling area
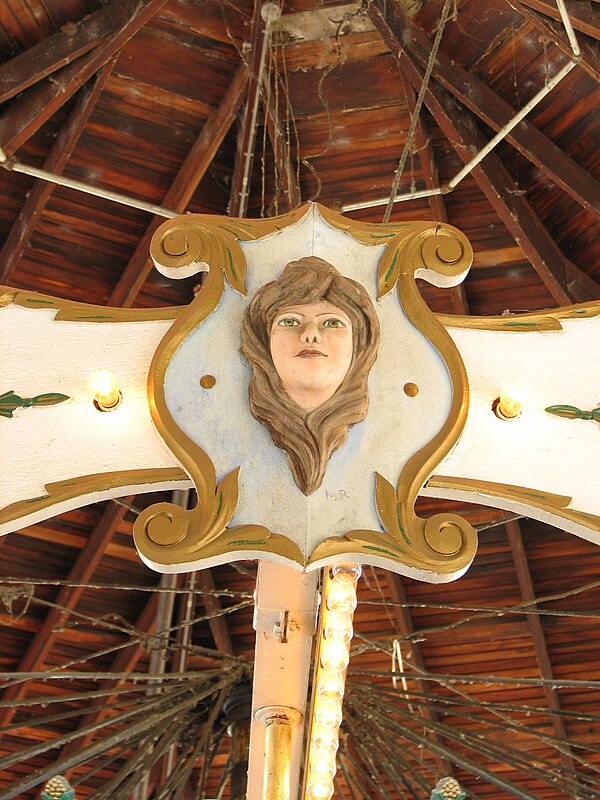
168,104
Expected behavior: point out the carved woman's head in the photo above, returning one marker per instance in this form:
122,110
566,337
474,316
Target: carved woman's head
311,338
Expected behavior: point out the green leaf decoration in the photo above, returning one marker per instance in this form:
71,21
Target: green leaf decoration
572,412
10,402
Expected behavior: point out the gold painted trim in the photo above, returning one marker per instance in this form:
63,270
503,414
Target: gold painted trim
555,504
446,543
71,311
165,534
60,491
548,320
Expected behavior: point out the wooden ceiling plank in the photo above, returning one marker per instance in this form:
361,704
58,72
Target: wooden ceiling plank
73,40
212,604
125,661
35,203
582,15
238,198
493,179
589,59
519,555
495,112
183,187
38,103
458,295
407,629
66,599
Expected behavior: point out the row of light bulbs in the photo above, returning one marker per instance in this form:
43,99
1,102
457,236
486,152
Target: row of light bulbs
339,599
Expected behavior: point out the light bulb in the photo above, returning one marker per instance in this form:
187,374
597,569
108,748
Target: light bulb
510,403
324,740
104,387
322,765
328,713
319,789
338,627
341,597
334,656
330,685
346,572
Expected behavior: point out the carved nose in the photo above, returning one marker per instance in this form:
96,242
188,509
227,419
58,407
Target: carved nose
311,334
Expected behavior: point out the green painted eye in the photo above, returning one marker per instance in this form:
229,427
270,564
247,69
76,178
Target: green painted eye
334,323
288,322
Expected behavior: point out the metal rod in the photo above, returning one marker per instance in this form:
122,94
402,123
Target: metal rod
399,197
510,125
568,27
502,133
79,186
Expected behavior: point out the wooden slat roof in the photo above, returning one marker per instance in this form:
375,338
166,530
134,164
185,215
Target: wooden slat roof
147,98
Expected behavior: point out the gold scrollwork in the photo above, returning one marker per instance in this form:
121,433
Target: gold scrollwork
164,534
446,543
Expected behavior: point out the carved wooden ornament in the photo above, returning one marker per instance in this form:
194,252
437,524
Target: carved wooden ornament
403,404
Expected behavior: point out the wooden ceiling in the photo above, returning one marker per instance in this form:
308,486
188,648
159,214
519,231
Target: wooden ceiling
153,99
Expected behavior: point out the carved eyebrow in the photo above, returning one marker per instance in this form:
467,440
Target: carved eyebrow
341,315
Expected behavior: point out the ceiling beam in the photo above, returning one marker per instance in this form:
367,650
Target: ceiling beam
35,203
73,40
125,661
582,15
38,103
214,609
589,60
238,198
183,187
431,177
495,112
522,222
519,555
414,655
66,600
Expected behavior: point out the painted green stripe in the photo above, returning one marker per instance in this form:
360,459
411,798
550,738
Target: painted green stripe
392,265
231,265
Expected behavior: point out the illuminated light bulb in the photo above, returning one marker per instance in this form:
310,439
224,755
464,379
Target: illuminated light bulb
104,387
319,789
330,685
338,627
322,765
341,597
328,713
324,740
346,573
334,656
510,403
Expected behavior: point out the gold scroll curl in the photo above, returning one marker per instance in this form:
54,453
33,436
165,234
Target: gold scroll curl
444,544
164,533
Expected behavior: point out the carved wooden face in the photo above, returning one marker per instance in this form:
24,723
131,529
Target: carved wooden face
311,347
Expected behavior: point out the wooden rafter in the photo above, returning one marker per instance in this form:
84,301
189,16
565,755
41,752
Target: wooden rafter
589,60
183,187
66,600
245,145
406,628
495,112
556,271
212,604
517,547
33,207
583,16
60,49
125,661
38,103
429,168
286,177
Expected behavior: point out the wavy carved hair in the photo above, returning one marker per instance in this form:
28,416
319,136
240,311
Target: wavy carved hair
309,439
